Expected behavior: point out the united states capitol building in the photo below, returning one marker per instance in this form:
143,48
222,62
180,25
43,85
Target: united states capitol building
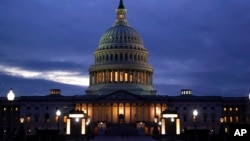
121,93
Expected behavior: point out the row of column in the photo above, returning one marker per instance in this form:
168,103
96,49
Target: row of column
121,76
102,58
109,112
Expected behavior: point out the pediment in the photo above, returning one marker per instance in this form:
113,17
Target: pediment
121,95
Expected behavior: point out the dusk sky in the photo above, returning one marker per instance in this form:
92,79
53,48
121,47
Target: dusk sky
203,45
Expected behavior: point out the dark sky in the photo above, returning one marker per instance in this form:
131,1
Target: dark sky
203,45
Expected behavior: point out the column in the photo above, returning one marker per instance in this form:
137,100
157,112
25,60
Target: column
143,111
111,105
124,112
117,112
99,112
93,114
87,110
154,109
130,108
136,112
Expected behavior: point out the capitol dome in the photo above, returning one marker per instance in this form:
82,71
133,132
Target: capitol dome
121,36
121,61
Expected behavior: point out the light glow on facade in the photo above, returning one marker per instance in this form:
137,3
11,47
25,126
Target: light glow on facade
74,115
163,126
68,127
178,126
83,130
169,115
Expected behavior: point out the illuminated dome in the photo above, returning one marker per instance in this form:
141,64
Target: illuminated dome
121,36
121,61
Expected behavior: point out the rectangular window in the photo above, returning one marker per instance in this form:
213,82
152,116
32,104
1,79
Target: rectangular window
126,77
28,118
107,76
65,119
116,76
103,75
131,77
231,119
236,119
99,77
121,76
138,77
111,77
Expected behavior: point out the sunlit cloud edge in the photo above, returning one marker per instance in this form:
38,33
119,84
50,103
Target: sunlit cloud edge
60,76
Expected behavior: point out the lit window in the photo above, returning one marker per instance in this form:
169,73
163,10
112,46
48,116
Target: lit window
231,119
225,119
121,76
126,77
16,109
103,75
28,118
65,119
237,119
99,77
111,76
138,77
4,108
225,109
236,109
230,109
116,76
131,77
56,118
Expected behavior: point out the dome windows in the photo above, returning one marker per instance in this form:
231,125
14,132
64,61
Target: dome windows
121,76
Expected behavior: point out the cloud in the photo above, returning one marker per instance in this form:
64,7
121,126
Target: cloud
66,77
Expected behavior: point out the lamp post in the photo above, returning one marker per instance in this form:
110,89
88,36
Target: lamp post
58,114
10,97
88,129
222,129
22,130
195,114
155,128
